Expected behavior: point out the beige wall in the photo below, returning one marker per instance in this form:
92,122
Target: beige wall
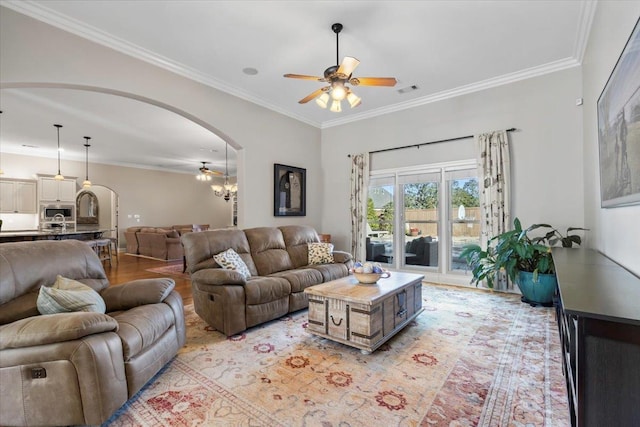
555,170
31,53
160,198
615,231
546,151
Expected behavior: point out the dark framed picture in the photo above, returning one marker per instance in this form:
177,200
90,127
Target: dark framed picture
619,129
289,191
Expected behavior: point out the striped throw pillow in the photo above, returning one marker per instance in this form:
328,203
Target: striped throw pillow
67,295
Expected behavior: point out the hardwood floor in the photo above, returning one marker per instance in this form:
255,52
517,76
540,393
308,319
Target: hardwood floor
130,267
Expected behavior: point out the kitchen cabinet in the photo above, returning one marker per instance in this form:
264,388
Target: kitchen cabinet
18,196
58,191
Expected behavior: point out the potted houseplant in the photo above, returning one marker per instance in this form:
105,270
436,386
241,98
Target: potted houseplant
525,260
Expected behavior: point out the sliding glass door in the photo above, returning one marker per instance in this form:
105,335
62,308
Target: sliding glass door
381,220
464,215
422,218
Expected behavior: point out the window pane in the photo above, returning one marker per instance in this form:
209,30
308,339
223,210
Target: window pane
464,218
380,219
421,223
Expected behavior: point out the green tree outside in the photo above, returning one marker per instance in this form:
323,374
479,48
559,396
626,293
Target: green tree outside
467,195
421,195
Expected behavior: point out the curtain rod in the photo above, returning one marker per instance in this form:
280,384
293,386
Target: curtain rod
427,143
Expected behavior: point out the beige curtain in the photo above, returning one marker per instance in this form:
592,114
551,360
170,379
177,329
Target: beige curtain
494,171
359,185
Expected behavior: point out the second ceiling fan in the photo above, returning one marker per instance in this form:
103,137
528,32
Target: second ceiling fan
338,76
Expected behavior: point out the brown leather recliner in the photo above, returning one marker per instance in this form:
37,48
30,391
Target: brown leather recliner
78,368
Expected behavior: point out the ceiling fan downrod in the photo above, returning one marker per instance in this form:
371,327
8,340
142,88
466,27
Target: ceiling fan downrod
337,27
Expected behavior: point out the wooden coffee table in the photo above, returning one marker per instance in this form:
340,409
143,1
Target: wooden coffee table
364,316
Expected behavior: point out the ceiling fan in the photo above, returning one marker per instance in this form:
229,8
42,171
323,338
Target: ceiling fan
205,172
338,76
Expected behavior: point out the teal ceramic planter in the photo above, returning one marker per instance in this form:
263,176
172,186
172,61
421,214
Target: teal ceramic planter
540,292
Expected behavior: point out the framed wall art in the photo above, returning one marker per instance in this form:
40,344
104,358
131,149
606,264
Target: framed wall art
619,129
289,190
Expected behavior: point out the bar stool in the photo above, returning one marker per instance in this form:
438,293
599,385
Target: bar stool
92,244
114,242
103,249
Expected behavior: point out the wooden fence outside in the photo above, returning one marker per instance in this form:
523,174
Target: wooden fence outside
414,218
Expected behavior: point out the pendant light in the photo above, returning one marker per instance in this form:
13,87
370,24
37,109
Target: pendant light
87,184
226,190
59,176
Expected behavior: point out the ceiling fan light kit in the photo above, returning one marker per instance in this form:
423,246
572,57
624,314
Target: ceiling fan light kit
205,173
338,76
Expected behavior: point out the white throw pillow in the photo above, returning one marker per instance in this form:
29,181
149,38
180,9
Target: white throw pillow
68,295
230,260
320,253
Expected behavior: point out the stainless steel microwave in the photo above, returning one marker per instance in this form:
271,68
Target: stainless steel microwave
49,212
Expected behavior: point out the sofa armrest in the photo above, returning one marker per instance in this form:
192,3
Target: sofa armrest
218,276
54,328
136,293
341,257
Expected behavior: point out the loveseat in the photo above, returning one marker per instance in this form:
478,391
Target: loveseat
278,262
77,368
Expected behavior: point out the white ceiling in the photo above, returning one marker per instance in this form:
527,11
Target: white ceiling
445,48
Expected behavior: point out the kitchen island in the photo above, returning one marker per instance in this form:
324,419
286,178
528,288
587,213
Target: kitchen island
77,232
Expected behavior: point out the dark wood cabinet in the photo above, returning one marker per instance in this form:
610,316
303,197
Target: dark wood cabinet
598,313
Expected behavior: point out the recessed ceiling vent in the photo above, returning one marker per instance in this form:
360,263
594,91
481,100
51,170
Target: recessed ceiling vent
407,89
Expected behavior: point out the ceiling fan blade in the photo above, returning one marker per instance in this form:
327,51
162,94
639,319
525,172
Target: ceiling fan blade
346,68
373,81
313,95
303,77
210,172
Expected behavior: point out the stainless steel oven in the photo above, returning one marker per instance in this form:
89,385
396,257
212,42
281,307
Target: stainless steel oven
55,212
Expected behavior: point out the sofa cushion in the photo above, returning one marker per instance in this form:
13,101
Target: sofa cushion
171,233
268,250
331,271
230,260
199,248
54,328
296,238
67,295
320,253
141,327
301,278
260,290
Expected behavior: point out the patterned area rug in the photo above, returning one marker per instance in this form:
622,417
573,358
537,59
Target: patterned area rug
171,270
471,358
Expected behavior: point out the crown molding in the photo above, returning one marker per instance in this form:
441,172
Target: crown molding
587,13
51,17
550,67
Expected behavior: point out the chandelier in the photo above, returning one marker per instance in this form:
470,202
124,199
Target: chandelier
87,184
226,190
59,176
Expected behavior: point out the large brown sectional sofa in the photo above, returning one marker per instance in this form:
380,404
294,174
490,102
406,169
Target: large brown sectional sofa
277,259
158,242
78,368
